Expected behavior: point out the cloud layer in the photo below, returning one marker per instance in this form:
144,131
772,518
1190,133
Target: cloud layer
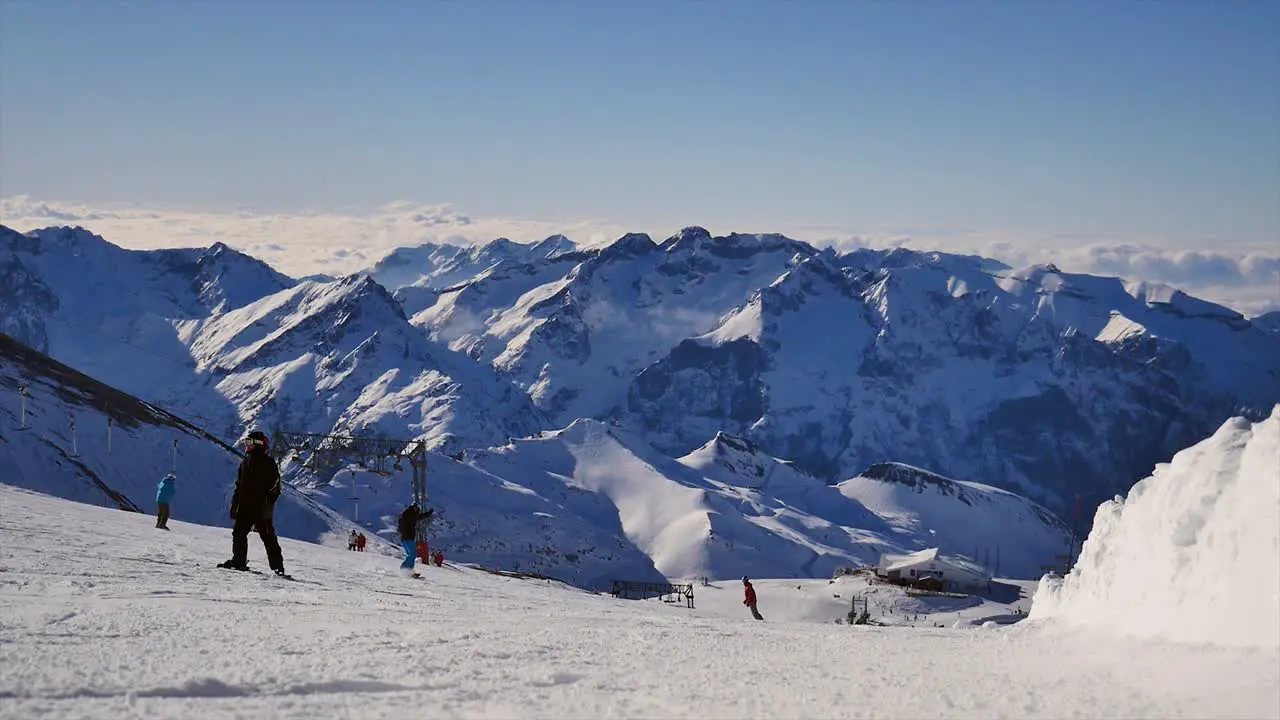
1246,278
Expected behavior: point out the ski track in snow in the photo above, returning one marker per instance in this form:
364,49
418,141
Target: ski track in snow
101,615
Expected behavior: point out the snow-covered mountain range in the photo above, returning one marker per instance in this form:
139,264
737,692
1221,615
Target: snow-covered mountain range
226,341
691,366
1046,383
586,504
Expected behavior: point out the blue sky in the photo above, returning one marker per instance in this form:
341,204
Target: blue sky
1156,121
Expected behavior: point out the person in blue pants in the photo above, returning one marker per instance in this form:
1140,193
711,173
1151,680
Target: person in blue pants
408,527
164,494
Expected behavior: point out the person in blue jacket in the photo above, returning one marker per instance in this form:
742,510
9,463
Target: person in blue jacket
164,493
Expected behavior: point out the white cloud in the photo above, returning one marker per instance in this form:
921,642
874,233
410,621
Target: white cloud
1243,276
300,243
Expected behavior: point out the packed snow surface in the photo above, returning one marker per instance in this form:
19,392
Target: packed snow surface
102,615
1193,552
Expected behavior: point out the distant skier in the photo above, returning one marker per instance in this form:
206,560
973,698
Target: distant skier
360,541
408,527
253,505
351,540
750,599
164,495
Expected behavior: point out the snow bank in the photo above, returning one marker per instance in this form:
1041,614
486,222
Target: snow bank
1191,554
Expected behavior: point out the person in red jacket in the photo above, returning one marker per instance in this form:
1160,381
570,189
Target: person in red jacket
750,599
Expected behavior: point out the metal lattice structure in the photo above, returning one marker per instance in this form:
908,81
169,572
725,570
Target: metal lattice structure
326,454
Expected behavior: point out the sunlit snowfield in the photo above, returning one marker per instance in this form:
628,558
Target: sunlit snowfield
102,615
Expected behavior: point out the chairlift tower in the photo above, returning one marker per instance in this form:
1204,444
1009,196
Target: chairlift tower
355,498
328,453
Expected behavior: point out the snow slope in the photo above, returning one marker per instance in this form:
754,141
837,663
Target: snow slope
1268,321
483,518
147,628
1005,532
829,600
488,520
339,357
120,448
608,507
724,511
1191,554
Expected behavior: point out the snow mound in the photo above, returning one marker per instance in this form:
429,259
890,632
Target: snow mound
1190,555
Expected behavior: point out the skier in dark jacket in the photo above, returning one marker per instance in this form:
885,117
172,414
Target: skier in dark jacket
253,505
408,527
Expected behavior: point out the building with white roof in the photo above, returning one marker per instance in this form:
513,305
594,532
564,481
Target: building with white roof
953,573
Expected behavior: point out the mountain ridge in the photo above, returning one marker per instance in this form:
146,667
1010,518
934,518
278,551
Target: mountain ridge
1045,383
